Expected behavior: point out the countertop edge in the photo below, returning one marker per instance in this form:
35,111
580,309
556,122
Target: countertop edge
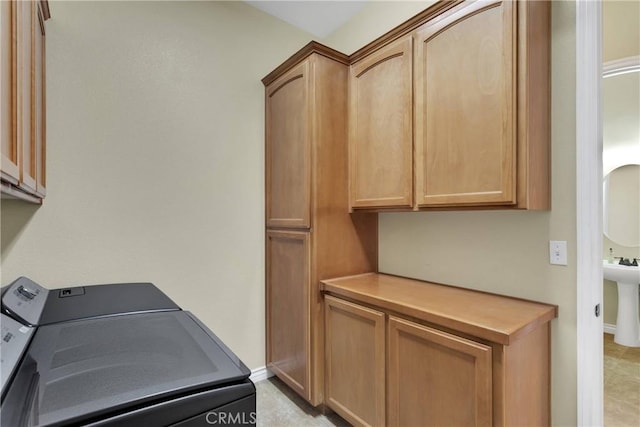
336,287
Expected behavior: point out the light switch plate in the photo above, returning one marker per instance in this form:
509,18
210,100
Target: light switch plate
558,252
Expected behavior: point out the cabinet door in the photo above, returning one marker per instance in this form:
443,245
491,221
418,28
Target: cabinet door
437,379
465,107
380,128
38,111
287,298
10,152
24,28
355,371
288,155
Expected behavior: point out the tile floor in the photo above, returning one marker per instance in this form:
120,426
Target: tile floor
278,406
621,384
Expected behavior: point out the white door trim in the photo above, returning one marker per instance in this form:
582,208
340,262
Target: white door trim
589,351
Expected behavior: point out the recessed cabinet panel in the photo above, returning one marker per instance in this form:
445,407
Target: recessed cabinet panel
38,130
287,149
437,379
355,362
466,107
288,317
25,37
380,133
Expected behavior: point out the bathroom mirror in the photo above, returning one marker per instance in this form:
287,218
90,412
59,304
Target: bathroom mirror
621,151
621,197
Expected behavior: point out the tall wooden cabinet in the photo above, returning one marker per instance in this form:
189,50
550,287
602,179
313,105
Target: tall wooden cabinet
451,110
309,233
22,98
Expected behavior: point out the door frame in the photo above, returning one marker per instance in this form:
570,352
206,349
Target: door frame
589,348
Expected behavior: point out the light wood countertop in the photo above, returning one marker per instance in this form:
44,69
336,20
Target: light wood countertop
488,316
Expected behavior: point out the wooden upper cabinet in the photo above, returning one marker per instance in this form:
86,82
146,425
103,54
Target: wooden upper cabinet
380,127
466,106
288,153
471,80
22,98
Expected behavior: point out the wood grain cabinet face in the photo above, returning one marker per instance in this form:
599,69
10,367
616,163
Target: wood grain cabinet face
288,177
437,379
355,362
10,150
38,102
25,31
288,317
466,107
306,195
451,110
455,356
22,98
380,128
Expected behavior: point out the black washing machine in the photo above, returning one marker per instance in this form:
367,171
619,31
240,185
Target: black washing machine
117,354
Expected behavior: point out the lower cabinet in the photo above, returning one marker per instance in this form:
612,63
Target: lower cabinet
432,378
288,314
389,360
355,362
436,378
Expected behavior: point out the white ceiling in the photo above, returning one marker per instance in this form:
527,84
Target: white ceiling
320,18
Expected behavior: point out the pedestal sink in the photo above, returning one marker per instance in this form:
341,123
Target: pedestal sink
628,323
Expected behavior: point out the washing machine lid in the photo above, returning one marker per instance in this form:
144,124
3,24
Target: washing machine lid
82,371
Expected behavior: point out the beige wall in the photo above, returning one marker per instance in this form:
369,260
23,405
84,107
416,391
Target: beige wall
373,20
503,252
621,39
155,157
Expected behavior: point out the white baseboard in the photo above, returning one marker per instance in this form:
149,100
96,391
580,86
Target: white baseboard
260,374
609,328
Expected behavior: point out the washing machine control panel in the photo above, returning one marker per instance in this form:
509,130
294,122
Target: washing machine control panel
14,340
24,300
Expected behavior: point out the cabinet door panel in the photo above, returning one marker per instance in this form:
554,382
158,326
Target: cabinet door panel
25,25
355,365
288,156
10,152
437,379
380,128
38,103
287,298
465,107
